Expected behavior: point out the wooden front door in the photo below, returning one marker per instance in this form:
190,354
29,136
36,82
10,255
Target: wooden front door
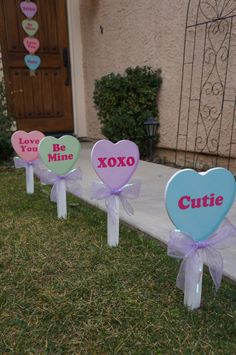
43,102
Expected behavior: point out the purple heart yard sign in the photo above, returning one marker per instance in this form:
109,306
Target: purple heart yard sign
115,163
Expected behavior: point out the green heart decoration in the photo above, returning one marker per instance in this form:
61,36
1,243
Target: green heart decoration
30,27
59,155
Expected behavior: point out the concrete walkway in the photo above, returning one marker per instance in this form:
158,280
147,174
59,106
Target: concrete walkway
150,214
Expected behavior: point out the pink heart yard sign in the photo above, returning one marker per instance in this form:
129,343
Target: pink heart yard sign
115,163
26,144
31,44
28,8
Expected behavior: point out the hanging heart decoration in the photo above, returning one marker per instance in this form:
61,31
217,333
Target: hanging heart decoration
31,44
28,8
32,61
30,27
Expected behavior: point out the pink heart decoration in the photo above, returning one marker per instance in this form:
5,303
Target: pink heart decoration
115,163
26,144
31,44
29,9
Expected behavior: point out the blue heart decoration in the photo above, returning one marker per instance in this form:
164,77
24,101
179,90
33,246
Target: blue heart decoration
32,61
197,203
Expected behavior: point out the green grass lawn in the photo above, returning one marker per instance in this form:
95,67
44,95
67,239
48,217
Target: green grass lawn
64,291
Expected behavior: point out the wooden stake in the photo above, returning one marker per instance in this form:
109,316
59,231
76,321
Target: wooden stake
61,200
29,179
192,296
113,226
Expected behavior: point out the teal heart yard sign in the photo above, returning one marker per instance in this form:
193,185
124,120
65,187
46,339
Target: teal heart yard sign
197,203
59,155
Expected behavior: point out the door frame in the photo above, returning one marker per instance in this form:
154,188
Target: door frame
77,69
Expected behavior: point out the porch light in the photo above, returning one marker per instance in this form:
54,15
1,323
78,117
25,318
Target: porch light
151,126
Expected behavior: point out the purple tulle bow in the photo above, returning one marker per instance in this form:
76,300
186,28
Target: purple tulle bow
71,182
129,191
195,253
36,164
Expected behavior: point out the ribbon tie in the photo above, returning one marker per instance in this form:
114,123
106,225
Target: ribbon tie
36,164
129,191
194,254
71,182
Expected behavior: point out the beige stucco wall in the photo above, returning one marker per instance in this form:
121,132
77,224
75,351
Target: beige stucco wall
135,32
117,34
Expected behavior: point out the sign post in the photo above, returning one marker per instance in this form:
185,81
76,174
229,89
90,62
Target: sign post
29,179
197,204
26,146
115,164
193,290
61,199
60,156
113,225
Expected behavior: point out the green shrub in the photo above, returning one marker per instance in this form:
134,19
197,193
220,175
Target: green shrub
6,150
124,102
